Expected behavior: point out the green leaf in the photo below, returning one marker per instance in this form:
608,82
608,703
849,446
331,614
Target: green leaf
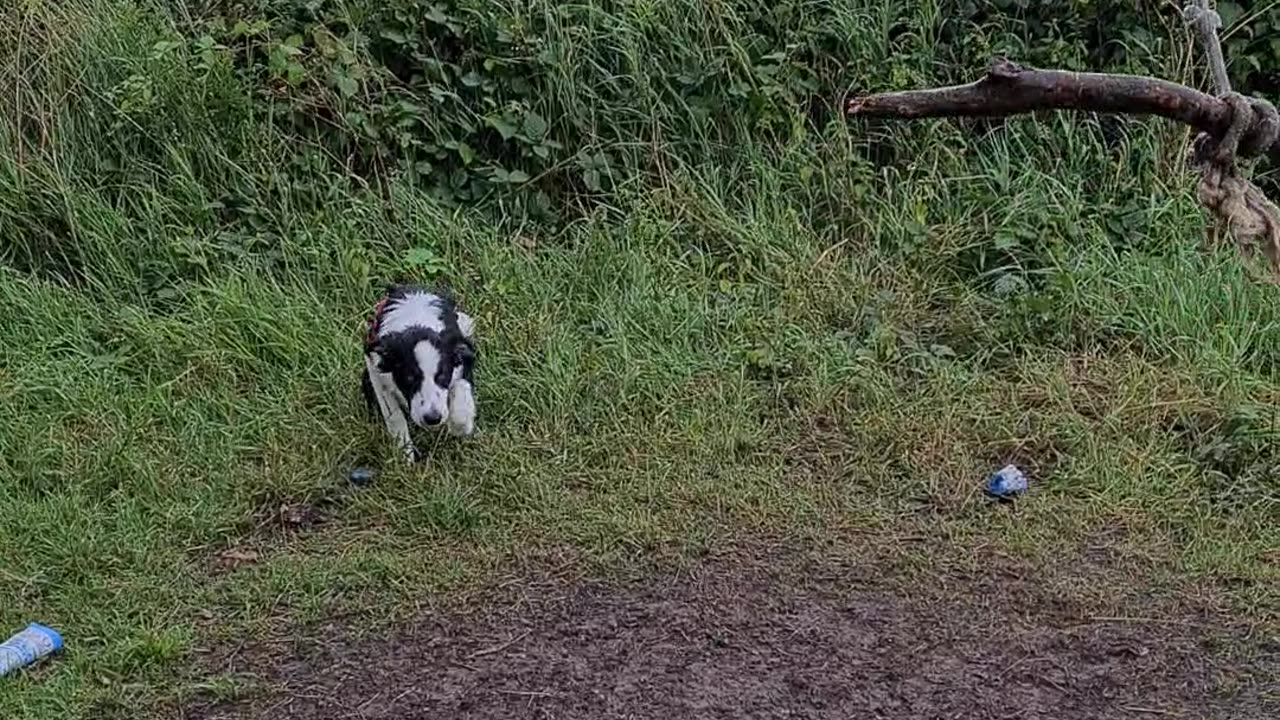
276,60
346,84
592,180
535,126
472,79
1006,240
422,258
518,176
417,256
395,36
244,29
164,46
504,128
1230,12
1008,285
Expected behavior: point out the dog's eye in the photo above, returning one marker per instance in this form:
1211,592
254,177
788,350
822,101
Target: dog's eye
411,374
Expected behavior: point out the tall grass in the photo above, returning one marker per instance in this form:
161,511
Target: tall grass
791,328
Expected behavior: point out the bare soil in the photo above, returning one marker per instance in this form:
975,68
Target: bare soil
771,638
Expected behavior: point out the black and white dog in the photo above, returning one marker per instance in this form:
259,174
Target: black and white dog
418,360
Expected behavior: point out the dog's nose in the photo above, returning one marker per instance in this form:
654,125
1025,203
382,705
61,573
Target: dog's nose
431,419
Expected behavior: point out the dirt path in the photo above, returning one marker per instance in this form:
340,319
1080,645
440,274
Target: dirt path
751,640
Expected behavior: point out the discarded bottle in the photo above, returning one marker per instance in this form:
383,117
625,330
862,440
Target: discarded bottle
28,646
1007,481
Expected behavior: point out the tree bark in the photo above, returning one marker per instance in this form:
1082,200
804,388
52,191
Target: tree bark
1011,89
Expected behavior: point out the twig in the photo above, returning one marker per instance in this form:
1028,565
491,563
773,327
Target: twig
400,697
528,693
1012,89
499,648
1146,710
1144,621
366,703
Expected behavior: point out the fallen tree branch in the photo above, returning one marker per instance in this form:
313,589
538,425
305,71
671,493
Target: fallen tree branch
1012,89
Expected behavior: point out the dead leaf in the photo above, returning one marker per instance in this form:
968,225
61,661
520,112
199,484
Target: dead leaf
238,555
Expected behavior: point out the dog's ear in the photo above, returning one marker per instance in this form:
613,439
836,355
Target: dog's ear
464,353
466,325
378,351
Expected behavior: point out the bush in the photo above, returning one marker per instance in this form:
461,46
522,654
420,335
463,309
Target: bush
544,105
222,119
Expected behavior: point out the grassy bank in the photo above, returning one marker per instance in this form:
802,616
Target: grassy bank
795,330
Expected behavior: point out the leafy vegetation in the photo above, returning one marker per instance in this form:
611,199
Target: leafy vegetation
707,306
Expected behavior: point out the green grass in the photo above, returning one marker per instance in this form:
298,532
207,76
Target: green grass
790,342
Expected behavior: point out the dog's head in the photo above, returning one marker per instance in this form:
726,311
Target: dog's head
424,364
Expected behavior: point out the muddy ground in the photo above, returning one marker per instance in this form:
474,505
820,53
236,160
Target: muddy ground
759,638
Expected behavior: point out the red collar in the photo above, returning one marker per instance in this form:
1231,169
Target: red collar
375,321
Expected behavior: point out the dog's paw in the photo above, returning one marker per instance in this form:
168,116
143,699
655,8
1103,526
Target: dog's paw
461,429
411,454
462,410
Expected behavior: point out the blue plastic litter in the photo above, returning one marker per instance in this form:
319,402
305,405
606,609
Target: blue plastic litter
1006,482
361,476
28,646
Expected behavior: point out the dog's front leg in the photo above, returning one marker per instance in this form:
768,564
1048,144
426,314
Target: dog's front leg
462,402
384,391
462,408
